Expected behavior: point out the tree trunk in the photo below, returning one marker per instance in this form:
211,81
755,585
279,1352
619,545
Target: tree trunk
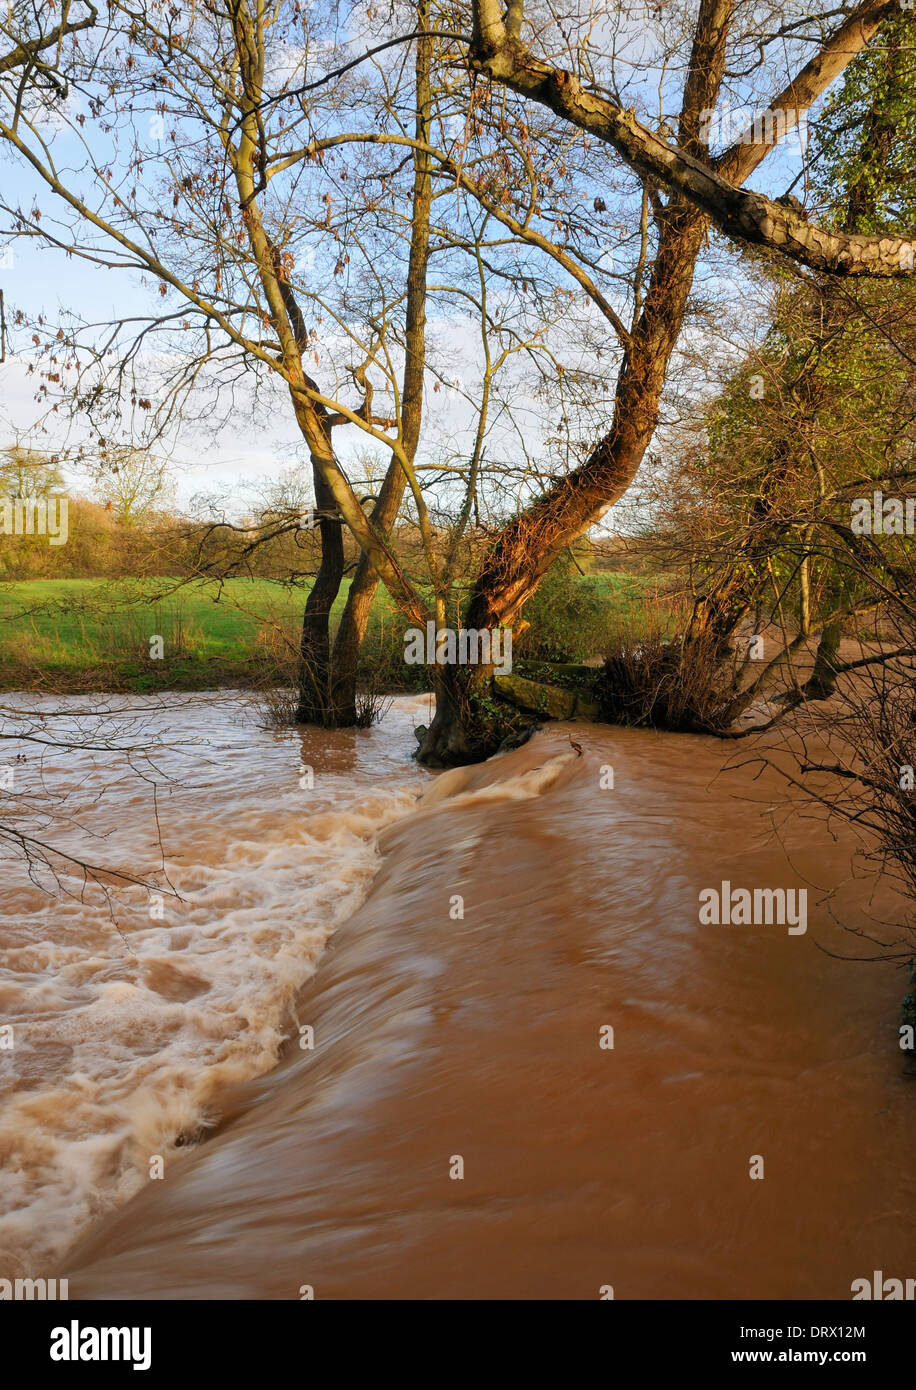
454,737
822,681
365,583
356,612
528,546
716,614
316,704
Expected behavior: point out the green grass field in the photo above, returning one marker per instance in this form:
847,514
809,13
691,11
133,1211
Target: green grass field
95,634
89,634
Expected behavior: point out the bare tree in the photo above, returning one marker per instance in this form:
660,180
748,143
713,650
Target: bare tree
255,136
132,483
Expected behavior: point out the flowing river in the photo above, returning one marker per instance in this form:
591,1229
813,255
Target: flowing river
379,1033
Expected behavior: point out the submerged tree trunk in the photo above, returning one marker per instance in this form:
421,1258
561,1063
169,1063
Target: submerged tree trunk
450,740
355,619
822,681
316,705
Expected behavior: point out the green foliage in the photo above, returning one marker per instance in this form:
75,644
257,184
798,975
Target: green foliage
575,617
864,139
489,722
831,411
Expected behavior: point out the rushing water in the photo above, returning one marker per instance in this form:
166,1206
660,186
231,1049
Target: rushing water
131,1011
519,908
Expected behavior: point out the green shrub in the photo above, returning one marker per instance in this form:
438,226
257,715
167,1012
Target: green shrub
567,616
574,618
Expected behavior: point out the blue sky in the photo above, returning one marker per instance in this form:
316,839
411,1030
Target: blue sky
44,280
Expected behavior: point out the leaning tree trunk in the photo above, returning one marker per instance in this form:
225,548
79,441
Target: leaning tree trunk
528,546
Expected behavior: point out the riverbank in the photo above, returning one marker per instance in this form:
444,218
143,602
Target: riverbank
81,636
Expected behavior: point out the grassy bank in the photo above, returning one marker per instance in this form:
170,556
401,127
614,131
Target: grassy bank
76,635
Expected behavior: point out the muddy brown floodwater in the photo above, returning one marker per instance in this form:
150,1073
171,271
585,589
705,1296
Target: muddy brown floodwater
440,1037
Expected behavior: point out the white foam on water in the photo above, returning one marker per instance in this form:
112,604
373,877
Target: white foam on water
127,1028
451,786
